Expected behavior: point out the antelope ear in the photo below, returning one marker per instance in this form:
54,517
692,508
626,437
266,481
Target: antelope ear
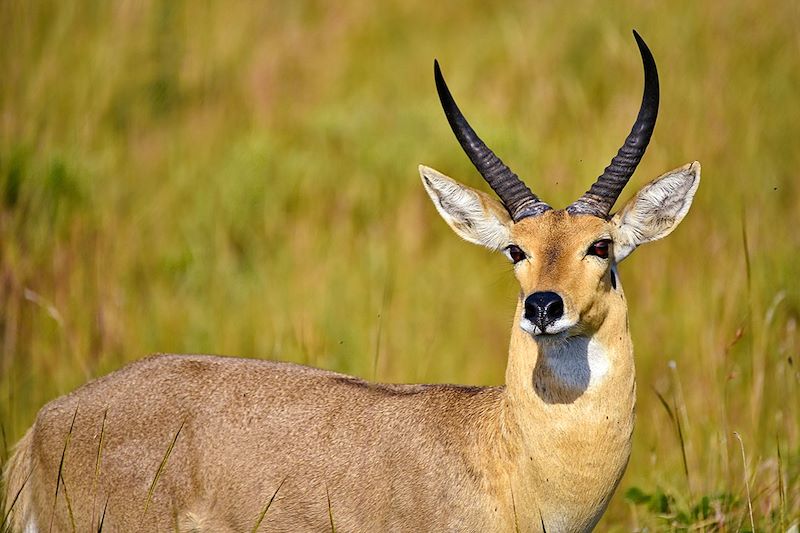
473,215
655,210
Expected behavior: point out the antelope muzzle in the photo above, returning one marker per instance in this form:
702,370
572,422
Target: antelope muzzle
543,308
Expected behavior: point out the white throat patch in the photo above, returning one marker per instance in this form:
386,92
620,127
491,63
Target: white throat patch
577,362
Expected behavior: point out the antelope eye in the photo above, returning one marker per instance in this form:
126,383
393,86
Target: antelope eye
515,253
600,248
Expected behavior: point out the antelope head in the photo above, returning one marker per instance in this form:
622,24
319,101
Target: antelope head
565,260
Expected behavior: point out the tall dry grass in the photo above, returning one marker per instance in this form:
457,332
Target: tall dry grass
241,178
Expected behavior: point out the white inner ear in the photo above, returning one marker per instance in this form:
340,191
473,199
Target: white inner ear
655,210
473,215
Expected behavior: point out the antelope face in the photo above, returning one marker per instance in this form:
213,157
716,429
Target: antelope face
565,263
564,267
565,260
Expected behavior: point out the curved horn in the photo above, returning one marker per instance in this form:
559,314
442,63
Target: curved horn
600,198
516,196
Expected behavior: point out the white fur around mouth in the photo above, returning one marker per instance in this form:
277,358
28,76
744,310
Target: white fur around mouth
559,326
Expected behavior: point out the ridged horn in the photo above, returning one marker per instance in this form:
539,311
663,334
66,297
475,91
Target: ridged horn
600,198
516,196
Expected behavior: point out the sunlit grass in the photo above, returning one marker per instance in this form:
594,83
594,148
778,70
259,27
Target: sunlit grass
241,179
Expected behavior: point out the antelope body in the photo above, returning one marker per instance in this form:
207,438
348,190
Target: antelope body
226,439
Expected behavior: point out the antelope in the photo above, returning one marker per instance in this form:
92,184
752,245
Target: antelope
205,443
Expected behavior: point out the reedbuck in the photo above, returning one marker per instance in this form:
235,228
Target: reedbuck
200,443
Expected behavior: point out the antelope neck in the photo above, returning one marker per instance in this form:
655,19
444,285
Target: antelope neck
552,370
570,404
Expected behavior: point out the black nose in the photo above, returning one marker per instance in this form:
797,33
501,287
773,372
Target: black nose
543,308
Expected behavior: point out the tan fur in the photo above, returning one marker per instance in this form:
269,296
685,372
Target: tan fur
546,450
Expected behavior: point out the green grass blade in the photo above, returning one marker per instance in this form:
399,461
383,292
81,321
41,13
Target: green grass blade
679,428
746,249
159,471
377,346
97,461
379,333
682,422
103,516
781,487
4,456
514,511
69,504
59,477
14,501
330,510
266,508
746,482
664,403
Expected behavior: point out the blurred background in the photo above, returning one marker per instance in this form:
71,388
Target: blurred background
241,178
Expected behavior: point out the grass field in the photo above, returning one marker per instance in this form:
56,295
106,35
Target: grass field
240,178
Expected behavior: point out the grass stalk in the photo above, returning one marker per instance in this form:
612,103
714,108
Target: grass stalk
747,262
681,422
59,476
103,516
676,423
14,501
781,486
514,511
379,333
68,500
159,471
756,356
746,481
377,346
266,508
4,456
3,459
97,462
330,509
